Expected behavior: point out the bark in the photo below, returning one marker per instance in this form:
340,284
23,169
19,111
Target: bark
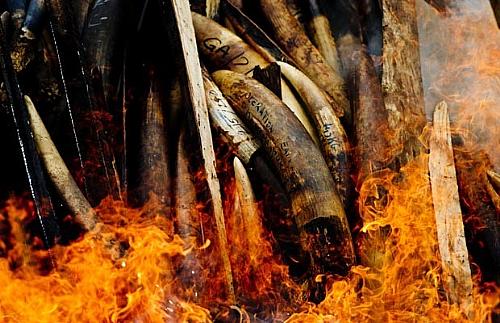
402,79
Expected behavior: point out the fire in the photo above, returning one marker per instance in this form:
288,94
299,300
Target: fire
127,273
123,274
137,269
407,287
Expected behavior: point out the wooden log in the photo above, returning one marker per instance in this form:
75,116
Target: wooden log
154,169
196,96
402,79
224,50
450,228
59,173
290,35
333,138
318,211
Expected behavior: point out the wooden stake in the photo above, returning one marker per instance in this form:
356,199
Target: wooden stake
196,94
450,228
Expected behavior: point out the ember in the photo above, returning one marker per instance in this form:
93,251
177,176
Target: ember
284,160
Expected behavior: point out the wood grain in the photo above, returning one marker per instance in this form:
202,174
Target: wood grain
196,93
450,228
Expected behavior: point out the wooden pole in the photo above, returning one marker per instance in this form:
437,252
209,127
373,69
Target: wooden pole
196,92
450,228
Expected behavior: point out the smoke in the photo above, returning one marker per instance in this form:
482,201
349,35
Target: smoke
460,58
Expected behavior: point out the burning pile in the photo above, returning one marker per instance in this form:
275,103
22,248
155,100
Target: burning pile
262,160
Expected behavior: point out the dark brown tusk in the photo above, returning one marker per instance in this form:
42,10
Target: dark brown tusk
225,120
333,139
187,218
373,134
188,221
316,204
154,170
294,40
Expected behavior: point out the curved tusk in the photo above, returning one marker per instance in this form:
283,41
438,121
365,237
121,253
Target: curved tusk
225,120
333,138
319,26
58,172
153,164
249,211
224,50
293,39
373,134
318,210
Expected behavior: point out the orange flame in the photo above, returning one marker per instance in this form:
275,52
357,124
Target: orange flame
128,273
